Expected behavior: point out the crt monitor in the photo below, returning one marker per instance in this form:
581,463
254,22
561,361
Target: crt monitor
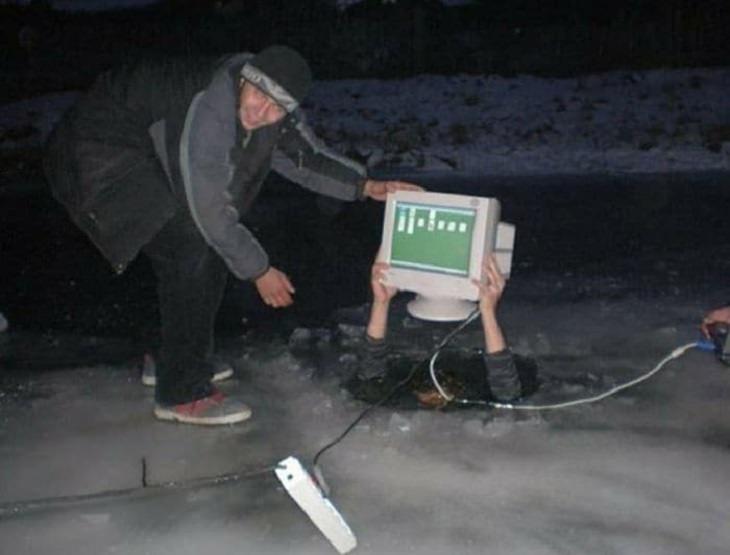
435,244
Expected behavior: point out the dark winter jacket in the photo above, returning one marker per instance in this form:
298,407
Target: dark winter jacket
150,140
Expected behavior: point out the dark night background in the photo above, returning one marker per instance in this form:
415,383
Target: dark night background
53,50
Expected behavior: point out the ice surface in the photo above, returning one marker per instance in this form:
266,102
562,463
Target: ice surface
647,476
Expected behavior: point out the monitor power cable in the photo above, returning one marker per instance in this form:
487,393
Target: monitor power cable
679,351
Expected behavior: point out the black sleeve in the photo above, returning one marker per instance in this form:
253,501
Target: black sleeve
302,157
502,376
152,88
373,358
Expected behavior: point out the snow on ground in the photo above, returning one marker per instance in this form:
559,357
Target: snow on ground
618,122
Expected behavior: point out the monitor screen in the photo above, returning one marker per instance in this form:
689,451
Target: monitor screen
432,238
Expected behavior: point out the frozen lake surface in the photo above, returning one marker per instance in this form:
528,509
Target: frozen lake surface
611,274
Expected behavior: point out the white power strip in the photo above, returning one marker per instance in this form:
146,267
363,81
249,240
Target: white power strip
301,487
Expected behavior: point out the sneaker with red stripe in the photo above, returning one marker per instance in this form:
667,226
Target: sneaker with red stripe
214,410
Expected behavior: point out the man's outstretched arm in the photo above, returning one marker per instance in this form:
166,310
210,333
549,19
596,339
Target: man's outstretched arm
502,375
302,157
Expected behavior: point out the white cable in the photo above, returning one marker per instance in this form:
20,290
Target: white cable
431,364
679,351
431,368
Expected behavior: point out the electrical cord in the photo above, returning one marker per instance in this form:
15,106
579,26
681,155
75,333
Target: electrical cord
679,351
432,370
15,508
411,374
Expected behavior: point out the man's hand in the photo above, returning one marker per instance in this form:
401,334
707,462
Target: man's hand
378,190
275,288
381,293
490,290
717,316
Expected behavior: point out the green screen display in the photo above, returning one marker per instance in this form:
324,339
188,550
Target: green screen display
432,238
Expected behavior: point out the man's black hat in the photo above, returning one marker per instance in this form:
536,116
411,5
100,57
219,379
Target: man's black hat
282,73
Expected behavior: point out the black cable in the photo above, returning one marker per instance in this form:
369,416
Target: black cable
411,374
14,508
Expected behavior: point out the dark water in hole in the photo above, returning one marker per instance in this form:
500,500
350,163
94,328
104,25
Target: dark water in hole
459,372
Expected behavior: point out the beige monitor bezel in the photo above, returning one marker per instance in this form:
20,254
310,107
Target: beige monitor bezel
443,285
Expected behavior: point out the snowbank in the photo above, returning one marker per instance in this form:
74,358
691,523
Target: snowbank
618,122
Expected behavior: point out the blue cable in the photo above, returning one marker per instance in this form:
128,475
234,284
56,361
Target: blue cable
706,345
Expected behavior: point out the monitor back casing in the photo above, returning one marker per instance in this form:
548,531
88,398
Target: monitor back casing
434,284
